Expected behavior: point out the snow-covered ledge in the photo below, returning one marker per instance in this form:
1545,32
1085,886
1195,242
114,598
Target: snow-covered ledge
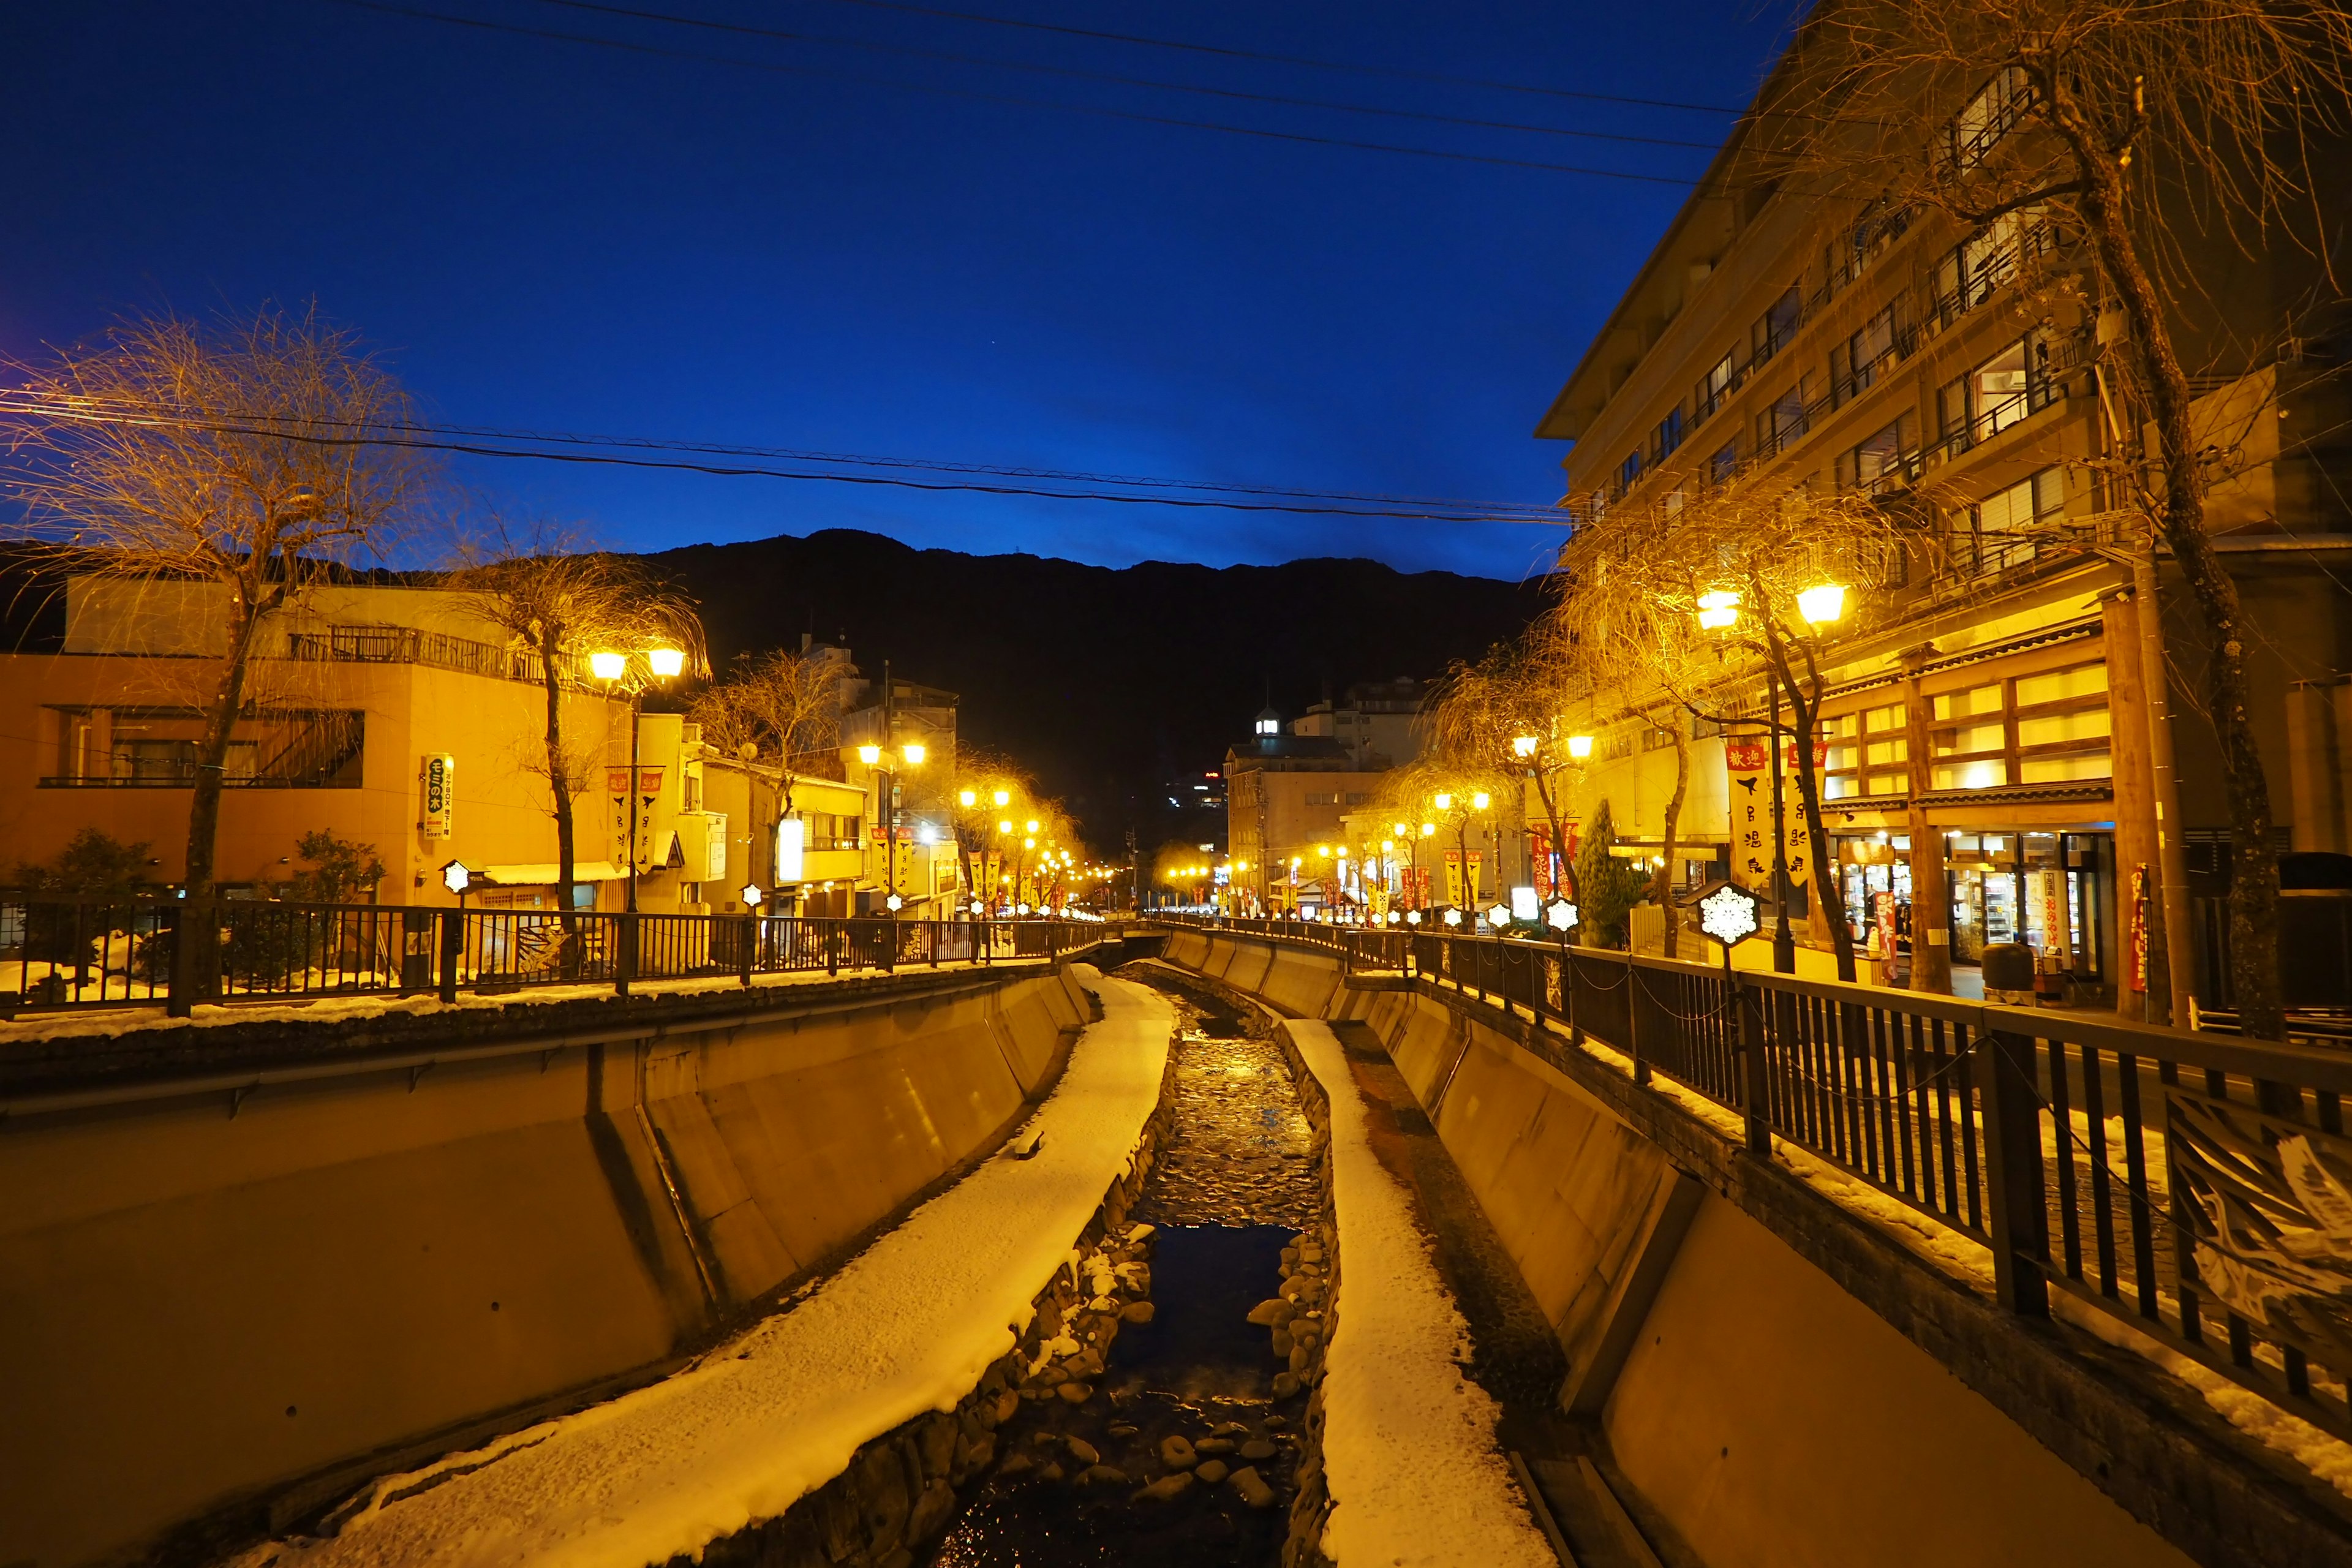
1408,1451
911,1330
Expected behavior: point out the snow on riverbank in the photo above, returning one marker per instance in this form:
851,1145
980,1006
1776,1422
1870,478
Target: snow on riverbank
906,1327
1408,1451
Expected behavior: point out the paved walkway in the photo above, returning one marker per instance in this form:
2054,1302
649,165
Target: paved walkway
907,1326
1416,1474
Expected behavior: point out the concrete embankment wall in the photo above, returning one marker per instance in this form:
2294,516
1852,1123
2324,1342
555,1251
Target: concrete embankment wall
1760,1415
208,1294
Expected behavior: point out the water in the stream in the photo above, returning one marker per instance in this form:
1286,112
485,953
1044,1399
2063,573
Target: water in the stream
1235,1182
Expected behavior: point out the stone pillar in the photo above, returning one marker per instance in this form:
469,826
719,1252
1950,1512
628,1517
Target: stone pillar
1931,895
2134,798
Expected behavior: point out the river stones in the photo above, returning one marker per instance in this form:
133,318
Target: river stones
1176,1453
1257,1448
1166,1488
1080,1392
1285,1384
1211,1471
1137,1312
1216,1445
1084,1452
1252,1488
1102,1476
1272,1313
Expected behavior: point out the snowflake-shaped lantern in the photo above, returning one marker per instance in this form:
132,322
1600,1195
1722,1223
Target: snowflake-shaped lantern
1562,915
1730,915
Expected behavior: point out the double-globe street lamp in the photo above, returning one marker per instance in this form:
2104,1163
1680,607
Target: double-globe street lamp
911,754
633,672
1821,606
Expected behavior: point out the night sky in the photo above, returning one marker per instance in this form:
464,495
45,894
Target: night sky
546,235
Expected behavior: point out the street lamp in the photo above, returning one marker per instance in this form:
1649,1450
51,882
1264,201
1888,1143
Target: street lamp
616,668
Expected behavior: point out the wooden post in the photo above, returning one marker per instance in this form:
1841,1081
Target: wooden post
453,943
1931,894
2004,1079
1755,1079
2128,730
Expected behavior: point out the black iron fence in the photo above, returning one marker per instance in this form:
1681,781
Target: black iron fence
2193,1185
62,954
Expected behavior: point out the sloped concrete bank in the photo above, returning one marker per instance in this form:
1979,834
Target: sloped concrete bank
836,1429
1746,1350
226,1299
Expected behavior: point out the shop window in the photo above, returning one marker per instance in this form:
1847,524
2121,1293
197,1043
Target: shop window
2083,681
2066,768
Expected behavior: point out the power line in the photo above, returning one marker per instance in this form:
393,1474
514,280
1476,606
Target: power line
127,412
1135,116
426,438
745,30
1231,53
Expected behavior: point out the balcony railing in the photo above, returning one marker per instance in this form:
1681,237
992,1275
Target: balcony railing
2173,1180
143,951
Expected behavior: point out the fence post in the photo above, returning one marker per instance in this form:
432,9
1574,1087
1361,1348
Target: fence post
180,996
624,953
1756,1078
1633,1020
833,947
2013,1176
453,943
750,941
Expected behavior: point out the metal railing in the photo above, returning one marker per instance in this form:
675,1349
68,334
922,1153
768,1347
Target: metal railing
93,952
2188,1185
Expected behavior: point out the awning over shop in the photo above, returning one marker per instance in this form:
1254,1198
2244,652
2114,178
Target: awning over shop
542,874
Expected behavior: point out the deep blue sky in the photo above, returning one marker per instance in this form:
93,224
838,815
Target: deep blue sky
544,235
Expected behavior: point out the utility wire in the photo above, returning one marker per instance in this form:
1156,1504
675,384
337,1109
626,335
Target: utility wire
85,410
1099,112
1287,59
1074,73
395,438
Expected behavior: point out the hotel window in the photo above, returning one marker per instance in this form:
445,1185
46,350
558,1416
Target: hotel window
1991,115
1783,420
1667,435
1628,471
1998,395
1726,458
1857,363
1883,459
1868,753
1776,326
1714,387
1974,269
2004,529
2041,729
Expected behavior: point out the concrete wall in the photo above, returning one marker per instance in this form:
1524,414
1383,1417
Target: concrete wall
1765,1415
197,1304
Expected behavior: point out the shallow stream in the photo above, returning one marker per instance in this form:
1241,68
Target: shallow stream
1234,1183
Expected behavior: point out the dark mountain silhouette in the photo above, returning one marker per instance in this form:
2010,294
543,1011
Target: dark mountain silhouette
1107,683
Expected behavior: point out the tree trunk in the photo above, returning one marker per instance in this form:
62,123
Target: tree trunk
212,750
1662,889
1829,899
559,787
2253,883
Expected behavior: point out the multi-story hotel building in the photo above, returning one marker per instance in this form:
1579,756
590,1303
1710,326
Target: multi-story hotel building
1829,339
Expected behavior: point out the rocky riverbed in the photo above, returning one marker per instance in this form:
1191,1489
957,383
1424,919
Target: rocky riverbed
1184,1449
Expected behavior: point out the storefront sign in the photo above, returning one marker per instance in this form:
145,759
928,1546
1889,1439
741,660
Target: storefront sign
440,815
2138,938
792,848
1886,934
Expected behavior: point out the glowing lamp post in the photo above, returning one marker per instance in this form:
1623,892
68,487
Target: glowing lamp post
617,670
1730,915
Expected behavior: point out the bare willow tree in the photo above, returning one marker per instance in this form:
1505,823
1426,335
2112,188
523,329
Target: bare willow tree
2147,128
250,455
1508,715
558,603
1746,552
784,706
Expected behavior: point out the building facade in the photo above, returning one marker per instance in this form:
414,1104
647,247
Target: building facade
1991,707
